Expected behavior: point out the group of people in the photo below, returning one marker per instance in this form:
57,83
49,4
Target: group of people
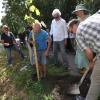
86,29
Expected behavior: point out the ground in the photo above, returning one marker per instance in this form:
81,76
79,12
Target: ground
16,82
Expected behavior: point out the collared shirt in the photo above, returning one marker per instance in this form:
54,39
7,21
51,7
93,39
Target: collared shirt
59,30
88,33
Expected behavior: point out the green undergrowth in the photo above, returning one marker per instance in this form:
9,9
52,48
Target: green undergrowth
17,84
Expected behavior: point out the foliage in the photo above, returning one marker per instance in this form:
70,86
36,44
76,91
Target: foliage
92,5
17,85
17,9
14,14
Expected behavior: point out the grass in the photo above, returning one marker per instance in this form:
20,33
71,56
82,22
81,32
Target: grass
17,85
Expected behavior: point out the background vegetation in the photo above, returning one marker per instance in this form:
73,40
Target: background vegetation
16,10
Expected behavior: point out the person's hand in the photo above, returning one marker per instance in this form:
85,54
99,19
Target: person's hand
91,65
65,42
32,42
46,53
6,44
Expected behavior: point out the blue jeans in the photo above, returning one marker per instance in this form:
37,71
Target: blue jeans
59,46
9,51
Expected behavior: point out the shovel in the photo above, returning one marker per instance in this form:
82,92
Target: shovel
74,89
35,57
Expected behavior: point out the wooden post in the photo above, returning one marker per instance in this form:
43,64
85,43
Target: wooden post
35,57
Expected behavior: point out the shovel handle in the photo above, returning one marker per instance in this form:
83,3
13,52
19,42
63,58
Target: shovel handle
83,77
35,56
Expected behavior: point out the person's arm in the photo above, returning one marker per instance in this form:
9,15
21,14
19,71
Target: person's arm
89,54
30,40
66,33
92,63
49,45
14,40
51,30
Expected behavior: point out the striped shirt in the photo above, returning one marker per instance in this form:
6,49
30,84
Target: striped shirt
88,33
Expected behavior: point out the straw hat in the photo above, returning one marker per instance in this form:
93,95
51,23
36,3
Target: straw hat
79,8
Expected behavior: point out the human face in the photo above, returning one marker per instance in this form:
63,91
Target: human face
5,30
79,13
37,28
57,16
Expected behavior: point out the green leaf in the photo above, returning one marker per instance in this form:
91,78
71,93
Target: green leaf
26,17
28,2
32,8
37,12
36,21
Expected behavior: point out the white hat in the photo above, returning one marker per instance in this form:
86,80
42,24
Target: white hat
56,11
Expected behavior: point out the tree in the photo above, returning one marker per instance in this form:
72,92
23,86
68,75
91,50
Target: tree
16,10
15,13
92,5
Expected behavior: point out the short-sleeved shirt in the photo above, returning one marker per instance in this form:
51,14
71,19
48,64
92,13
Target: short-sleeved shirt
7,39
40,39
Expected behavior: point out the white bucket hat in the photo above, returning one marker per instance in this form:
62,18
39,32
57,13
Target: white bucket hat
56,11
79,8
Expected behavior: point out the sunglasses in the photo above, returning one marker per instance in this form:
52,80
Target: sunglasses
6,29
